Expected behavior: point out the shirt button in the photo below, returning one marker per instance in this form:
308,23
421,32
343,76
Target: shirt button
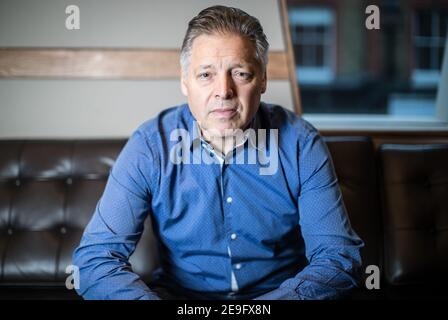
238,266
229,200
233,236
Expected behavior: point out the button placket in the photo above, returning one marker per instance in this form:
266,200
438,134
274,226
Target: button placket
228,200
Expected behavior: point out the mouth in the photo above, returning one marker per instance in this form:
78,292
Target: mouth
224,112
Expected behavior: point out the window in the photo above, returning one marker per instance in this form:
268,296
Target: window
352,77
429,40
313,41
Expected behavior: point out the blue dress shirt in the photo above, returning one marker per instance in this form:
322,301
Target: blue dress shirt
225,228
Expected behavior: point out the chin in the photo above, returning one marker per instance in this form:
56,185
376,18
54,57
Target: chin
220,131
227,127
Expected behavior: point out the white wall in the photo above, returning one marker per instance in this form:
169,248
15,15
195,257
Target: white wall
37,108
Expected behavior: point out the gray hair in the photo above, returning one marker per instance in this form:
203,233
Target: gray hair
222,20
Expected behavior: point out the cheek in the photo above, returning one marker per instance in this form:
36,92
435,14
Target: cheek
201,93
199,100
249,95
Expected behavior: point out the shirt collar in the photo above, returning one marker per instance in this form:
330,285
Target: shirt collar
197,139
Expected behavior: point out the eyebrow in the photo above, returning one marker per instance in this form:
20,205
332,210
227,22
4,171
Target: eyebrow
237,65
205,66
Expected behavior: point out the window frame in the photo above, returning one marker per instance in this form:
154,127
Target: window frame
428,77
309,16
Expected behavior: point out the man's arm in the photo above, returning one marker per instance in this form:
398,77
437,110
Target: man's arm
332,247
115,228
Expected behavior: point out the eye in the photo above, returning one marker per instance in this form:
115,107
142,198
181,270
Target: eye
243,75
204,76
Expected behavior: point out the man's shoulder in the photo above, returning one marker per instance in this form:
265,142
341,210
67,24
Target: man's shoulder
164,122
287,121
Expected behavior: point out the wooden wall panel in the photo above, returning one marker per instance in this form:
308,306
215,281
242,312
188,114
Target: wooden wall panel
107,63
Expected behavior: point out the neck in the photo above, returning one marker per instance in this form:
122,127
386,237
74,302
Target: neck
222,144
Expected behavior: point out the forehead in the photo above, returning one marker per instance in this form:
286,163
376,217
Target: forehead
218,47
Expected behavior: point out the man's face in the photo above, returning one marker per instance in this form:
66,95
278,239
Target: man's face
223,83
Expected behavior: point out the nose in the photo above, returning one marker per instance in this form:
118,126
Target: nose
224,87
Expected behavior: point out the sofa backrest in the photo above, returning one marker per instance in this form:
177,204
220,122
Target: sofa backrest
415,200
355,166
48,192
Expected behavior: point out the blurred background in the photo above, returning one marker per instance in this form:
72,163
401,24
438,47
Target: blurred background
121,66
344,68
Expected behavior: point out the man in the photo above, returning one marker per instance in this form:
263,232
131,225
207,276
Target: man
226,228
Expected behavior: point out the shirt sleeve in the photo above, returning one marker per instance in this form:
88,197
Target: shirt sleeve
332,247
115,228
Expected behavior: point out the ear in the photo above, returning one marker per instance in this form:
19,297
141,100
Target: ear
264,83
183,84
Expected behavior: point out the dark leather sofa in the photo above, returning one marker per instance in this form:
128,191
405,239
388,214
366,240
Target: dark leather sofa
396,196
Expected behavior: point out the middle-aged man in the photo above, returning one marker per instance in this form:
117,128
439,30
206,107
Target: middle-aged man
242,194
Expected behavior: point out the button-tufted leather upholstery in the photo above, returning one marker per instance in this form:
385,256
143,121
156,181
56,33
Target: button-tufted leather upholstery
49,189
354,161
415,184
48,192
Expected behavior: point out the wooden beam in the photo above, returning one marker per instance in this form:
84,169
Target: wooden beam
107,63
291,64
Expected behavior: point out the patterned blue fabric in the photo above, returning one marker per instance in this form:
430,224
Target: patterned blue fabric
285,235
